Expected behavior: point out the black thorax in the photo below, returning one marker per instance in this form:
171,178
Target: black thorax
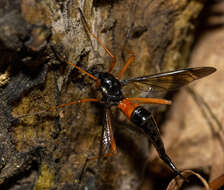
110,88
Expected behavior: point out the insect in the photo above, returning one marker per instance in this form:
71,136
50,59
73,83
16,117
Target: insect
110,89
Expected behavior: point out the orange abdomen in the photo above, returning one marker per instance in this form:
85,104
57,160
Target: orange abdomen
127,107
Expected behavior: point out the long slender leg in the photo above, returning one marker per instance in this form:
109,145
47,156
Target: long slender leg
124,68
83,71
112,64
149,100
86,26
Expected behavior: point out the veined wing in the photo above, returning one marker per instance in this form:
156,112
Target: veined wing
107,143
167,80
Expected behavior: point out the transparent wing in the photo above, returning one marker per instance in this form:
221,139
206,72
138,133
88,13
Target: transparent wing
161,82
107,144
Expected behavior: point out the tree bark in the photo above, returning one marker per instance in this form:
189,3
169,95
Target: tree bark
49,150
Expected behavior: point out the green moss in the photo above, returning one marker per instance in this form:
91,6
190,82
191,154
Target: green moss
46,178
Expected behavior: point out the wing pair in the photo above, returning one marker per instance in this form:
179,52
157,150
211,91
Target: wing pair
161,82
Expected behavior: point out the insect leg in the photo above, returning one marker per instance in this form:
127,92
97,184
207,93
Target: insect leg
83,71
86,26
149,100
124,68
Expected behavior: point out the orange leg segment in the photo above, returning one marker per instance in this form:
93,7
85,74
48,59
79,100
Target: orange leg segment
124,68
98,40
83,71
149,100
112,65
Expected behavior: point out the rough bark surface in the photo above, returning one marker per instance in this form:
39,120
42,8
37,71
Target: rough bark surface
49,150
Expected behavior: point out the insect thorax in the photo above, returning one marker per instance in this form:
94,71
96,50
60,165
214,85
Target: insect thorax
110,88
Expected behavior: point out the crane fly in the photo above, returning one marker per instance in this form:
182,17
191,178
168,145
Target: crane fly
110,88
